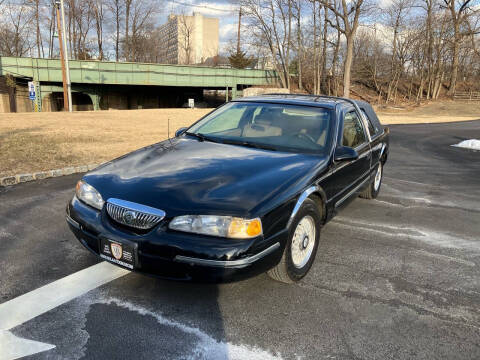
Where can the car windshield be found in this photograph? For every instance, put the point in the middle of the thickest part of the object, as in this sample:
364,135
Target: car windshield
266,125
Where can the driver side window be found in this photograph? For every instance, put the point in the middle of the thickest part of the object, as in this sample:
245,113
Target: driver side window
353,133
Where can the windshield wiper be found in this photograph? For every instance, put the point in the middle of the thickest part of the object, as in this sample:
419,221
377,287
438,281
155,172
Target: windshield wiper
249,144
201,136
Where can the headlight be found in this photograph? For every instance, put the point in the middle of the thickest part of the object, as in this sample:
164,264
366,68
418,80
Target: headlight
222,226
89,195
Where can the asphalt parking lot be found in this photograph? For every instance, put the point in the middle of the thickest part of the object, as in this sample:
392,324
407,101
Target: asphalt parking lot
395,278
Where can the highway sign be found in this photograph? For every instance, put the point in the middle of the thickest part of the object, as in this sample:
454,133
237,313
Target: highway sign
31,90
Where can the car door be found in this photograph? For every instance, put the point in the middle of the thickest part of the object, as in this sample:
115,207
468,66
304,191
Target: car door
349,177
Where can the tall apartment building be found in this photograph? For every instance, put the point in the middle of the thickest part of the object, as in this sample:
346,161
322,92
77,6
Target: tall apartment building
188,39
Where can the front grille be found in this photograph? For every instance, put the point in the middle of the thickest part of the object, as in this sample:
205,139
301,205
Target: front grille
133,215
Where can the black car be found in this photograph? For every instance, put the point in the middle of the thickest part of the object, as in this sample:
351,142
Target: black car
244,190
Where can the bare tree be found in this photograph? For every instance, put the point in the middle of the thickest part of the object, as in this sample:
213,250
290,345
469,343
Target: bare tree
417,50
14,39
272,20
79,24
38,33
186,27
349,14
396,16
126,46
51,29
98,9
116,9
138,17
297,5
459,12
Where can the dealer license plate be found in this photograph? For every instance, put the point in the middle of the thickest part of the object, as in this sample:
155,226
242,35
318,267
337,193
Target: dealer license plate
118,252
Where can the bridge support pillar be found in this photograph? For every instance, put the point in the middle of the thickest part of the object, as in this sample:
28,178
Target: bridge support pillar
95,100
234,91
46,101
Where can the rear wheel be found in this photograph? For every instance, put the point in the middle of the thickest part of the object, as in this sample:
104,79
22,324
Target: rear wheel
374,188
302,244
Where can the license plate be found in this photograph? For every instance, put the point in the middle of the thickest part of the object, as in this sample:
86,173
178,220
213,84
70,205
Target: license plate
120,253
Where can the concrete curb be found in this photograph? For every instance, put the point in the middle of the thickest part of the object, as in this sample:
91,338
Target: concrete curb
21,178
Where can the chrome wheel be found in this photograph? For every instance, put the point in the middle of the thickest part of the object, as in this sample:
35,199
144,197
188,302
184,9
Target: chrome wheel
378,178
303,242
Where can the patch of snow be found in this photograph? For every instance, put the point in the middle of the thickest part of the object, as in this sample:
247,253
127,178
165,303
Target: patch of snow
431,237
5,234
207,347
472,144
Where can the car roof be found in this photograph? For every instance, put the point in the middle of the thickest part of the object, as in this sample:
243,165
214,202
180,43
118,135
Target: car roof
298,99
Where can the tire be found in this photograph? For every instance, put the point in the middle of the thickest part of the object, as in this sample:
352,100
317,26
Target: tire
372,191
296,263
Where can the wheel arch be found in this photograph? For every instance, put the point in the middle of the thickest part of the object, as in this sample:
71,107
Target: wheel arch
384,153
317,194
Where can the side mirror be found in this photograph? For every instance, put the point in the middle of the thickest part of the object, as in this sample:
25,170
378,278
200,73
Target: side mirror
345,153
180,131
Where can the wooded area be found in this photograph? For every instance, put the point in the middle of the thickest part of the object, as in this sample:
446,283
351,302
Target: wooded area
401,50
390,51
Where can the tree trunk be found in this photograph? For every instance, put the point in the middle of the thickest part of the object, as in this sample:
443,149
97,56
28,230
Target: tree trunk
299,52
324,50
117,18
319,60
37,21
456,48
289,42
348,66
333,77
314,12
127,20
239,27
51,30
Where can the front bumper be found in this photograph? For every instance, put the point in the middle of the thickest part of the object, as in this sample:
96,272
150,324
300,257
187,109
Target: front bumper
174,255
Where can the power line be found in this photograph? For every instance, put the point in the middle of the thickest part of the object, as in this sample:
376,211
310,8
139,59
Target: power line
29,4
200,6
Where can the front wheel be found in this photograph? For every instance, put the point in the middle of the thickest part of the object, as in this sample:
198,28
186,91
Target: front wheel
302,244
374,188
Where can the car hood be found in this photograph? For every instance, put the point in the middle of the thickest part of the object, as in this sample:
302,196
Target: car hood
188,176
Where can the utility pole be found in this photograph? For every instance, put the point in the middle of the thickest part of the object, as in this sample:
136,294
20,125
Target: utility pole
60,45
64,55
67,68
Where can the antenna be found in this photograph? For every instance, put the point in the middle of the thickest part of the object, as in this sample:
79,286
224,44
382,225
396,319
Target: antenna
168,130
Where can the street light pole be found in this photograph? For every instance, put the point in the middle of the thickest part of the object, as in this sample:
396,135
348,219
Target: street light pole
65,48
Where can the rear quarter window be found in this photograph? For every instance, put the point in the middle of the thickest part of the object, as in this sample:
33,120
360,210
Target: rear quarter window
371,128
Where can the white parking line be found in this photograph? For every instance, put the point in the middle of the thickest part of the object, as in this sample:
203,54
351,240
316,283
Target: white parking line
37,302
13,347
28,306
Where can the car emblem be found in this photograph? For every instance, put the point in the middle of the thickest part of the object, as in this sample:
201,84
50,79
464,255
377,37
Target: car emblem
117,251
129,217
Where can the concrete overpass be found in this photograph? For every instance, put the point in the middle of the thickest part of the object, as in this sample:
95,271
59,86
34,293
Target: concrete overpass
98,79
